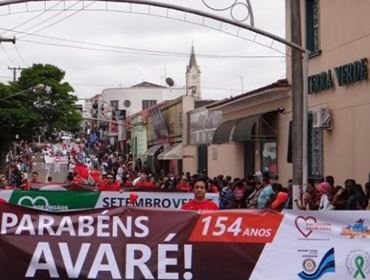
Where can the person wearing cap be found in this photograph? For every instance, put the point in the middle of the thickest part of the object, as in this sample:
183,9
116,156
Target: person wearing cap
200,202
324,188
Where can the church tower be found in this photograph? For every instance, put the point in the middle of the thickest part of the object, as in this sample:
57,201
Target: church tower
193,77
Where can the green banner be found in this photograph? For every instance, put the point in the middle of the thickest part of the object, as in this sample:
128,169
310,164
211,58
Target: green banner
55,200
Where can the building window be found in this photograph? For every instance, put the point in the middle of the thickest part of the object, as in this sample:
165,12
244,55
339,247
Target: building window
148,103
114,104
312,26
314,150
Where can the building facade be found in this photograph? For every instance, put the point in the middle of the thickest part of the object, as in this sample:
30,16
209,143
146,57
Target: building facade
255,131
337,34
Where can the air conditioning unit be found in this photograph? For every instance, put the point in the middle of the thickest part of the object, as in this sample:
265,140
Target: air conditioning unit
321,118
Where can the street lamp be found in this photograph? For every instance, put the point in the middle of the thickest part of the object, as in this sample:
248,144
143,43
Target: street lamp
37,88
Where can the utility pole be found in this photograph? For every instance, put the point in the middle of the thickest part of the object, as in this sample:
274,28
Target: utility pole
14,69
297,99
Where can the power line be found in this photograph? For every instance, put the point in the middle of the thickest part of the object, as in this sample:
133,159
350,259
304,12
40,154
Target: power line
32,18
128,48
169,54
58,21
7,55
20,56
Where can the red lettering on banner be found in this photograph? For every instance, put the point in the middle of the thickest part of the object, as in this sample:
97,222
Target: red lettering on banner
225,226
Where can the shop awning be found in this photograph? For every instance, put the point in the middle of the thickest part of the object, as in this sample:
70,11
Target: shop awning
223,132
173,152
152,150
243,128
244,132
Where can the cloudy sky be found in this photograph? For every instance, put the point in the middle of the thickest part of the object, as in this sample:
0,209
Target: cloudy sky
111,45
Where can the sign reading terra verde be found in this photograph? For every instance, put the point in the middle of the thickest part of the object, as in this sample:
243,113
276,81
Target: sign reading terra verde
346,74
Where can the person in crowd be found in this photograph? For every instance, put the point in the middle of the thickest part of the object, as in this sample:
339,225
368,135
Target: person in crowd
266,192
325,190
69,178
239,194
144,182
57,160
200,202
330,180
3,182
95,174
35,177
367,192
356,196
310,199
82,170
126,182
26,185
252,200
212,187
109,185
226,194
49,179
183,185
340,197
278,202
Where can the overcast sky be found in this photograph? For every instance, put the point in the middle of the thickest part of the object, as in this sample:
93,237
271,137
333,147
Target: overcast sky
56,37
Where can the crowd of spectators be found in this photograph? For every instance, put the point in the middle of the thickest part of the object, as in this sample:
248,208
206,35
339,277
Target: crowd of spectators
115,172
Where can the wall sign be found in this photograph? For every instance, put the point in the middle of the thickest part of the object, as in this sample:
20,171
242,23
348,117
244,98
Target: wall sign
345,74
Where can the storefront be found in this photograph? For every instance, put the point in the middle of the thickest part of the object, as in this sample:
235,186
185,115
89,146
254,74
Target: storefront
248,138
339,88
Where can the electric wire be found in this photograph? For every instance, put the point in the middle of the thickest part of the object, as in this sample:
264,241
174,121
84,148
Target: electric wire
32,18
132,49
7,55
58,21
20,56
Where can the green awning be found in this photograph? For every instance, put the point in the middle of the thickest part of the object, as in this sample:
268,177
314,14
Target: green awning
244,128
223,132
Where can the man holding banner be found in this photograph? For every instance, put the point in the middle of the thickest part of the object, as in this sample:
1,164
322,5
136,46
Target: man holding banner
200,202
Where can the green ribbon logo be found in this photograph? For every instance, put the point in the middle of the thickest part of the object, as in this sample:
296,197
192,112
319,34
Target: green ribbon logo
359,262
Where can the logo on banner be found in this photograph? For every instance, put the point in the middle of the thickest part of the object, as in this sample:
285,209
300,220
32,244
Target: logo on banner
39,202
358,264
311,271
358,229
308,225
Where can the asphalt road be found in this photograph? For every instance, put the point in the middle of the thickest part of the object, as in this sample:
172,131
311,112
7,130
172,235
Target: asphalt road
46,170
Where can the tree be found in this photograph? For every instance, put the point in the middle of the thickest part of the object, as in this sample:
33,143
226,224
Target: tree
27,109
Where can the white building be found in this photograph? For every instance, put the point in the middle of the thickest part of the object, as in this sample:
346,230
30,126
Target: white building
139,97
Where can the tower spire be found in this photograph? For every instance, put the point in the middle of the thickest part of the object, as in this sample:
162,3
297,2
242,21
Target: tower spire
193,60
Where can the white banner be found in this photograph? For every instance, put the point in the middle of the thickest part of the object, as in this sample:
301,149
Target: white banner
149,199
318,245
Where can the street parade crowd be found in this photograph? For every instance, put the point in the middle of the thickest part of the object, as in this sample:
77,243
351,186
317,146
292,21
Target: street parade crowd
97,169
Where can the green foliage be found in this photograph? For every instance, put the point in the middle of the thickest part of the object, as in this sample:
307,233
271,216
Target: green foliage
31,109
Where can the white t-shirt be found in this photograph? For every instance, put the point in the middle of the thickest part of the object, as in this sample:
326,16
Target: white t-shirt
324,202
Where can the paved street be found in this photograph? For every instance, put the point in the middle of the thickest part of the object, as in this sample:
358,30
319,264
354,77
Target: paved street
46,170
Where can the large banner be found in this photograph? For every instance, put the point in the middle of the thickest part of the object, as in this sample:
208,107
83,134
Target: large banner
139,243
202,126
72,200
